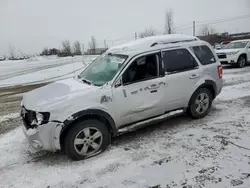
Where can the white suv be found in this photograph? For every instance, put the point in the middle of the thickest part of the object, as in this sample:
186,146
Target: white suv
132,84
235,53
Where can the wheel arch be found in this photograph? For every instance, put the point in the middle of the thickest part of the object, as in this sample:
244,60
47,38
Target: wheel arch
208,84
244,55
88,114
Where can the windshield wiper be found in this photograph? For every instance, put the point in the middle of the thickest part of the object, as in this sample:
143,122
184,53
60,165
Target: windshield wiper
86,81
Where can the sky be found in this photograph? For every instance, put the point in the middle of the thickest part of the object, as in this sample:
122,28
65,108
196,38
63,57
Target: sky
30,25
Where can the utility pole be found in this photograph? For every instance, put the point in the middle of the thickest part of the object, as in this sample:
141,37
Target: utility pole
135,35
193,28
105,44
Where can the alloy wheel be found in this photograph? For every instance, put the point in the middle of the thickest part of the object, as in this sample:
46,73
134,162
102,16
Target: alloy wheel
202,103
88,141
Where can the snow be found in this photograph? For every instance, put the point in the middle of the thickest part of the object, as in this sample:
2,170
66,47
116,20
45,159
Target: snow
9,116
41,70
148,41
46,75
209,152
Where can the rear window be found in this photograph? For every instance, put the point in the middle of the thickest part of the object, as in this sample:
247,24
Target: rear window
204,54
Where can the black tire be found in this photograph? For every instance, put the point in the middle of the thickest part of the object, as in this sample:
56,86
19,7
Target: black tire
241,61
192,109
77,129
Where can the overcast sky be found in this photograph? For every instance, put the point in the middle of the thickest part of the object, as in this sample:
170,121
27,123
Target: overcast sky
31,25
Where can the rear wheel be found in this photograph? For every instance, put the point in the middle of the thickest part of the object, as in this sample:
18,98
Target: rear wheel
200,103
86,139
241,61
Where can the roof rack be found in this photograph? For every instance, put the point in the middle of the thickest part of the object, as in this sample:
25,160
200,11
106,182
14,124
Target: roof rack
153,41
172,42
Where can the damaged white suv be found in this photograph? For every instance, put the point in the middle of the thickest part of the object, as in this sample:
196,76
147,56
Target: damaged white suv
133,84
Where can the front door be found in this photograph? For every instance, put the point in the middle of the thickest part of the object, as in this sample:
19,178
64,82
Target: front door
141,94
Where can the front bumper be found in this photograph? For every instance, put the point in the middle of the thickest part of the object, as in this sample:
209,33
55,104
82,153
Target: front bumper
230,59
44,137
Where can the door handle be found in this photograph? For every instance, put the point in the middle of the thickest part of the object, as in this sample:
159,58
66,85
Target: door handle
193,76
153,86
153,91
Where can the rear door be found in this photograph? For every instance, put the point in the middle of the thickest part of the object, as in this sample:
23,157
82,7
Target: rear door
182,77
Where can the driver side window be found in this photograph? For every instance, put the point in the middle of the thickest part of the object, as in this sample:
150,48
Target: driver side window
143,68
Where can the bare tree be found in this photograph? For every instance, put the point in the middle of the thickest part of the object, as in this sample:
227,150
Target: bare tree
66,48
45,51
169,22
204,31
147,32
12,51
92,45
82,48
207,30
77,48
212,30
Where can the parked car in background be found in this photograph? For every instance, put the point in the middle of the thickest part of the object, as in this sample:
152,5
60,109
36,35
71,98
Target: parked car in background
224,43
134,84
217,46
235,53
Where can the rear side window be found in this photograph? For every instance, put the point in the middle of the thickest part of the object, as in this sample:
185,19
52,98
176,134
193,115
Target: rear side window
204,54
178,60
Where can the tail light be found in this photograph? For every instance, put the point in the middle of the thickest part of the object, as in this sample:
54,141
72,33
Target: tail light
220,71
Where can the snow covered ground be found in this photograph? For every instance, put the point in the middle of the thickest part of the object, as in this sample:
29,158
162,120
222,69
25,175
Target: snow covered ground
179,152
41,69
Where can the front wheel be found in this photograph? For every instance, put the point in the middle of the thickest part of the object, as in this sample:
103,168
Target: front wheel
200,103
241,61
86,139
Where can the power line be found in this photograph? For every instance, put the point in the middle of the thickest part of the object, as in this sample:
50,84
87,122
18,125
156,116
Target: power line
216,21
236,17
223,21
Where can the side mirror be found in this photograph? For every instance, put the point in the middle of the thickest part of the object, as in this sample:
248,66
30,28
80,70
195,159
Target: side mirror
118,82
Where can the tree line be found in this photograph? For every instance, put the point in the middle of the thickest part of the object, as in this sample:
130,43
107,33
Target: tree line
67,49
78,49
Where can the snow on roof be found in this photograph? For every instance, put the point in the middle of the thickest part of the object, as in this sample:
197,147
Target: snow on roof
151,41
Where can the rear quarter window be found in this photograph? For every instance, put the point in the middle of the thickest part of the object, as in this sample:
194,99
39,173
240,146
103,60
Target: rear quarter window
203,54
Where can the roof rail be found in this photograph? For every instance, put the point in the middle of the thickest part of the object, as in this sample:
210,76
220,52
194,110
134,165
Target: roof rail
172,42
153,41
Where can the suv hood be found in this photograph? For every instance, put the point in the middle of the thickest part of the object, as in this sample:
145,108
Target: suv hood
44,98
227,50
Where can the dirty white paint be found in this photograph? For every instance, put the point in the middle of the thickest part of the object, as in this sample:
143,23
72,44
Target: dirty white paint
31,132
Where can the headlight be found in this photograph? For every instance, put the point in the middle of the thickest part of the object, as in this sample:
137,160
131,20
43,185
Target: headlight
232,53
39,118
42,117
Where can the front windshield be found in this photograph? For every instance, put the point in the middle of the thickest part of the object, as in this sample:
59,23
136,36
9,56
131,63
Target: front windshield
103,69
235,45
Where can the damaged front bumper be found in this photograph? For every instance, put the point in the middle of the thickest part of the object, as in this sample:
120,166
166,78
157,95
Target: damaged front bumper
45,136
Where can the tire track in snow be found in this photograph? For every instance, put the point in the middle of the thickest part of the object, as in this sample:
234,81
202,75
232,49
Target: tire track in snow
133,155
